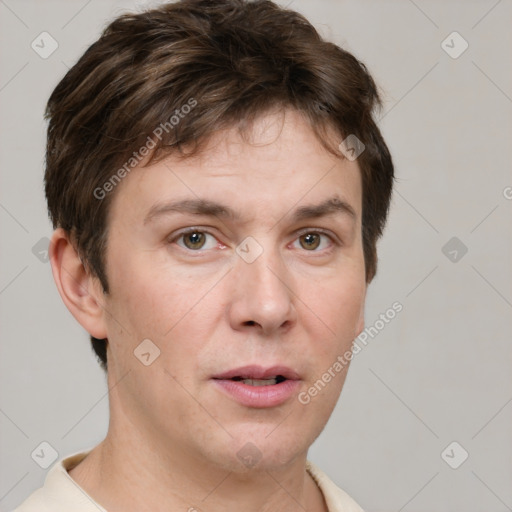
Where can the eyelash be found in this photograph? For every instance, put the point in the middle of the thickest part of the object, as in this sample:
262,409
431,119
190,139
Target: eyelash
300,233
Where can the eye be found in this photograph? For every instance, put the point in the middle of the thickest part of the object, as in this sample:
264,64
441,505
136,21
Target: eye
312,240
195,239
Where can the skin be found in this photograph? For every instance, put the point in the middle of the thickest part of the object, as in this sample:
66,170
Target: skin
173,437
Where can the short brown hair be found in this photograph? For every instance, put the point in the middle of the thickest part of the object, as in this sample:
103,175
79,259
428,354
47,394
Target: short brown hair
231,60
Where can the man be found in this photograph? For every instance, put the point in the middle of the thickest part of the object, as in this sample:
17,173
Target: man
217,186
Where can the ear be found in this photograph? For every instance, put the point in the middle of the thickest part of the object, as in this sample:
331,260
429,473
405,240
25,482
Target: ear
81,293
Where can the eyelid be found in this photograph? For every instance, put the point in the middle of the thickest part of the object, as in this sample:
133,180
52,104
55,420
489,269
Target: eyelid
191,229
321,231
297,234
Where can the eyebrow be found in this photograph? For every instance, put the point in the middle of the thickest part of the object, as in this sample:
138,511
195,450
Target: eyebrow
206,207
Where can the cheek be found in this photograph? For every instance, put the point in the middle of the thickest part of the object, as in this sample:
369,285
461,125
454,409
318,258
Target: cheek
335,306
333,323
170,307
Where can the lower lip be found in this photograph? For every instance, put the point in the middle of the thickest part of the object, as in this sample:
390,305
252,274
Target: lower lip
258,396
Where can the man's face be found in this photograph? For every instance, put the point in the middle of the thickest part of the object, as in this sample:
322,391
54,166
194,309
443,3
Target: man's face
292,295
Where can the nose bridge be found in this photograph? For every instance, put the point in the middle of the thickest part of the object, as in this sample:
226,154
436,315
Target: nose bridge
270,276
263,294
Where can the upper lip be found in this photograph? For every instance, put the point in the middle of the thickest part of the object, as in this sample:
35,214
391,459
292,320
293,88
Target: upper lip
259,372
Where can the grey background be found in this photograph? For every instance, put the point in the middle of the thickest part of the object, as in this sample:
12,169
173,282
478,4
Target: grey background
439,372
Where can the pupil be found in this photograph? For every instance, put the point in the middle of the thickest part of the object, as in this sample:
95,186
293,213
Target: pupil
312,240
196,240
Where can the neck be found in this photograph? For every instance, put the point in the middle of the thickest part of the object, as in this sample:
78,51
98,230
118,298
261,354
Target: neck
126,473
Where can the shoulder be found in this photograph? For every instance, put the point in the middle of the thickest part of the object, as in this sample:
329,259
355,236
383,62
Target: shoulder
60,493
337,499
35,502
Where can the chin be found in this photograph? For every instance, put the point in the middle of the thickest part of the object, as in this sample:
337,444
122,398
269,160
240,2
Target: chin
254,450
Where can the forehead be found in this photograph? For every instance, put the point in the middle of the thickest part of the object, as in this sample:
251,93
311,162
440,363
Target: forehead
276,164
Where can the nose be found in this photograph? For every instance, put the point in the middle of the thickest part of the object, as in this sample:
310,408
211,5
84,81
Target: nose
262,298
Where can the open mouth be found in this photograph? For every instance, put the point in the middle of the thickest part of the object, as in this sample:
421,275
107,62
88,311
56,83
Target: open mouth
259,387
271,381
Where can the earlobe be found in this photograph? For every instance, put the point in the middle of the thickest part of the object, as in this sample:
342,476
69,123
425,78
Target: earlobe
80,292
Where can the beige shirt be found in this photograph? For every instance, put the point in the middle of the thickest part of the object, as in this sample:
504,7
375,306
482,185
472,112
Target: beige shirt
60,493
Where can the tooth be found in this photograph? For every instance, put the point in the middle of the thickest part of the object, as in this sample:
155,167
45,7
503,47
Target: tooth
260,382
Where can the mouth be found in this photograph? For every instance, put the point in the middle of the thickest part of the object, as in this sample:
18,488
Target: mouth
258,375
255,386
272,381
